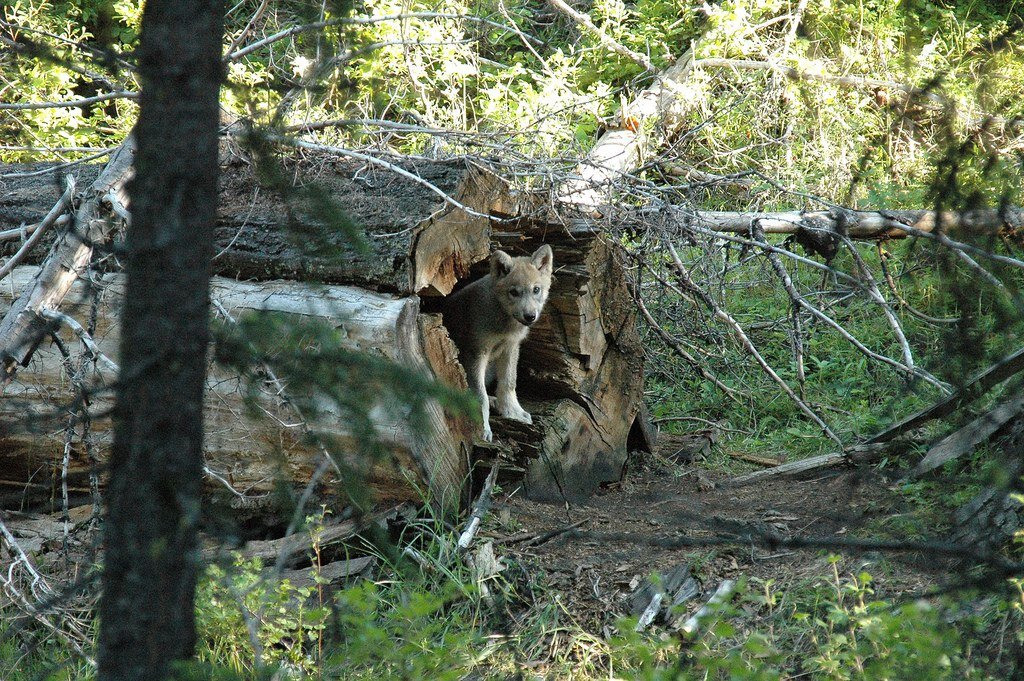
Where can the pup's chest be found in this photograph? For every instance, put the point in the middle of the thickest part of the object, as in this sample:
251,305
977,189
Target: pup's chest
500,343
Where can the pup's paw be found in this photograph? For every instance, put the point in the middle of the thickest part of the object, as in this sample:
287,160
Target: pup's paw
517,413
488,435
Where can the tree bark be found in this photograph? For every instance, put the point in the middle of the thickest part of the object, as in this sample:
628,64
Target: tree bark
252,452
152,559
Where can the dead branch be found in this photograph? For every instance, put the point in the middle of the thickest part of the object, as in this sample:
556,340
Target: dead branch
23,326
615,46
862,224
40,229
723,316
681,351
280,551
75,636
86,101
29,230
537,538
83,335
802,302
975,387
857,455
483,503
964,440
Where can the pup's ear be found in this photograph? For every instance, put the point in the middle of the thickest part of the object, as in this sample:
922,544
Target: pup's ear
501,264
543,259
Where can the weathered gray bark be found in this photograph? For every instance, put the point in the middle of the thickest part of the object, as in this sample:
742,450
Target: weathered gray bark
23,326
237,443
151,564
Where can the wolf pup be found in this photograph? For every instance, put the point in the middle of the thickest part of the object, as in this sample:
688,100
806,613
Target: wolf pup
489,319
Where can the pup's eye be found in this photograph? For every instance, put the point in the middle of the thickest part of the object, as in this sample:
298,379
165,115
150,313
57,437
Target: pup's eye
514,292
536,289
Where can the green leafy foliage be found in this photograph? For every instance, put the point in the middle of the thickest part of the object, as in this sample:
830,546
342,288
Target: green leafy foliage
927,121
237,609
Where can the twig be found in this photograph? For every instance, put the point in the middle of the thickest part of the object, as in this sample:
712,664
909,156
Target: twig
33,106
883,261
681,351
537,538
483,503
362,21
62,166
606,40
83,335
44,224
726,318
257,15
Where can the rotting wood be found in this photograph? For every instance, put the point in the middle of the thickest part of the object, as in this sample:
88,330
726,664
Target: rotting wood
329,575
722,594
856,455
582,368
964,440
245,452
668,590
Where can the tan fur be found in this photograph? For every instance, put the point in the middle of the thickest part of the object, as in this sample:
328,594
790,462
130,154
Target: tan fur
489,319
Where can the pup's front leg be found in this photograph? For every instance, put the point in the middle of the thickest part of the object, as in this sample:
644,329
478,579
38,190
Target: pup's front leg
505,365
479,377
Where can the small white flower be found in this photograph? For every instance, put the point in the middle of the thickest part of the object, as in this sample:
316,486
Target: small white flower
301,66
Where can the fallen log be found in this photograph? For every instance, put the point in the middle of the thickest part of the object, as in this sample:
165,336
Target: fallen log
975,387
328,576
857,455
581,371
245,452
862,224
964,440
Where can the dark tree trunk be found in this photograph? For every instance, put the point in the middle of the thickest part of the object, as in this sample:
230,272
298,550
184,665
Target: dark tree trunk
152,552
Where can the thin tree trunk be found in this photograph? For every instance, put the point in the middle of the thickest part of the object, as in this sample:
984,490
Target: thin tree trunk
156,467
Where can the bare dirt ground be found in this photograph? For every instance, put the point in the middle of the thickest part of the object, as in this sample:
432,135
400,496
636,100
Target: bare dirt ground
661,516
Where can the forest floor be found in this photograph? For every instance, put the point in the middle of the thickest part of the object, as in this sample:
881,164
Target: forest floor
663,515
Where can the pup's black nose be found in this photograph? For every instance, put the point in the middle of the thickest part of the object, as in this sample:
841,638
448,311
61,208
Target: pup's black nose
529,317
